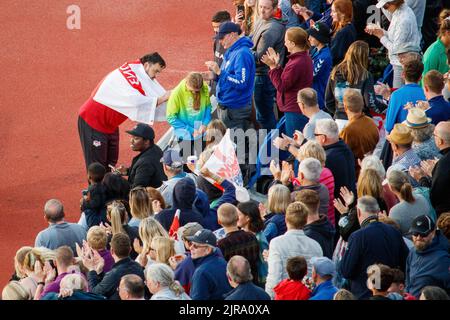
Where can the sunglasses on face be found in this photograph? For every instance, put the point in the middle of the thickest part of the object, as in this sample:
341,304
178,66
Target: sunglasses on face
422,235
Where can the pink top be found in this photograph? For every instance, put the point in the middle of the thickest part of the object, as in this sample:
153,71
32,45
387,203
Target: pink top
327,179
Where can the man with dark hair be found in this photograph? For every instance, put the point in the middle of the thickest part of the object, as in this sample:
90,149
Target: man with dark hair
293,287
130,91
411,92
146,169
268,33
317,226
428,262
239,276
107,286
59,233
93,202
433,84
131,287
217,19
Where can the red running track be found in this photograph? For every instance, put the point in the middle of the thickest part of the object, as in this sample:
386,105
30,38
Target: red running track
49,71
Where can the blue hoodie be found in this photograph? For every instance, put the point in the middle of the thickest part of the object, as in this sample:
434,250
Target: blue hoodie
237,75
429,267
184,194
209,281
322,66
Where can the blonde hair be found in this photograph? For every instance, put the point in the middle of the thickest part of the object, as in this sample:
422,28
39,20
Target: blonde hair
164,248
118,216
19,260
195,81
148,229
251,14
297,215
140,204
227,215
97,238
14,290
38,254
370,184
279,198
354,66
312,149
74,281
343,294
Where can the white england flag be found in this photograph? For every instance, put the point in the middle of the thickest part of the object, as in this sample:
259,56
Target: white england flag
130,91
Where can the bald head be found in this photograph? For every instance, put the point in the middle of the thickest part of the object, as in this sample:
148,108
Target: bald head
133,285
238,270
442,135
54,211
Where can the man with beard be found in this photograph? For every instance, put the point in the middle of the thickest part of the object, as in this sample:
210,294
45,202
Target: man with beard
429,261
146,169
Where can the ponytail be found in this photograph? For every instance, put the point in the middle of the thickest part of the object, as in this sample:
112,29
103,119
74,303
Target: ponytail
195,81
406,193
118,219
176,287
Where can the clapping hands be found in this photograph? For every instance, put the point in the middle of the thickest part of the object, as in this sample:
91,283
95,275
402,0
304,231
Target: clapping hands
271,58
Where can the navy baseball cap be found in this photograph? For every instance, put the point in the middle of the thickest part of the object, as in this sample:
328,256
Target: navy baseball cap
226,28
203,236
422,225
142,130
171,158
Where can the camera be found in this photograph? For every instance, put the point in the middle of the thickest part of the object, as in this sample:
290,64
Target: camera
240,8
84,192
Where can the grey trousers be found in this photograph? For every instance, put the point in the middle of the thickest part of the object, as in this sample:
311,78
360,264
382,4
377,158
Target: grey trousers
236,118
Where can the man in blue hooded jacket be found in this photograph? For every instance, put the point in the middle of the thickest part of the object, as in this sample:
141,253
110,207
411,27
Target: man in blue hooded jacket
236,77
209,281
428,262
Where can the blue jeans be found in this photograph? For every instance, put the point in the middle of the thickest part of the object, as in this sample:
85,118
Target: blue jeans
294,121
264,98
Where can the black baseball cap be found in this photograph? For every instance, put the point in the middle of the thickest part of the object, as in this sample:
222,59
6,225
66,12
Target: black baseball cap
422,225
321,32
226,28
142,130
204,236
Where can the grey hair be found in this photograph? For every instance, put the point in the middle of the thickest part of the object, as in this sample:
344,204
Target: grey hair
368,204
422,134
164,275
311,169
54,210
328,127
239,270
74,281
374,163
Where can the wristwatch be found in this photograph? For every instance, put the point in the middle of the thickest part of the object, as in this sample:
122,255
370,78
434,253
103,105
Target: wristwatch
41,282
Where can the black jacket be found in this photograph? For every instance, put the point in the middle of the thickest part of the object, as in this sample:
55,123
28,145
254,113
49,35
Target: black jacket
440,184
146,169
341,162
323,232
108,285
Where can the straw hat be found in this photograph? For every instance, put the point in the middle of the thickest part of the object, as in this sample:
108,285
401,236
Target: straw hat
417,118
400,135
